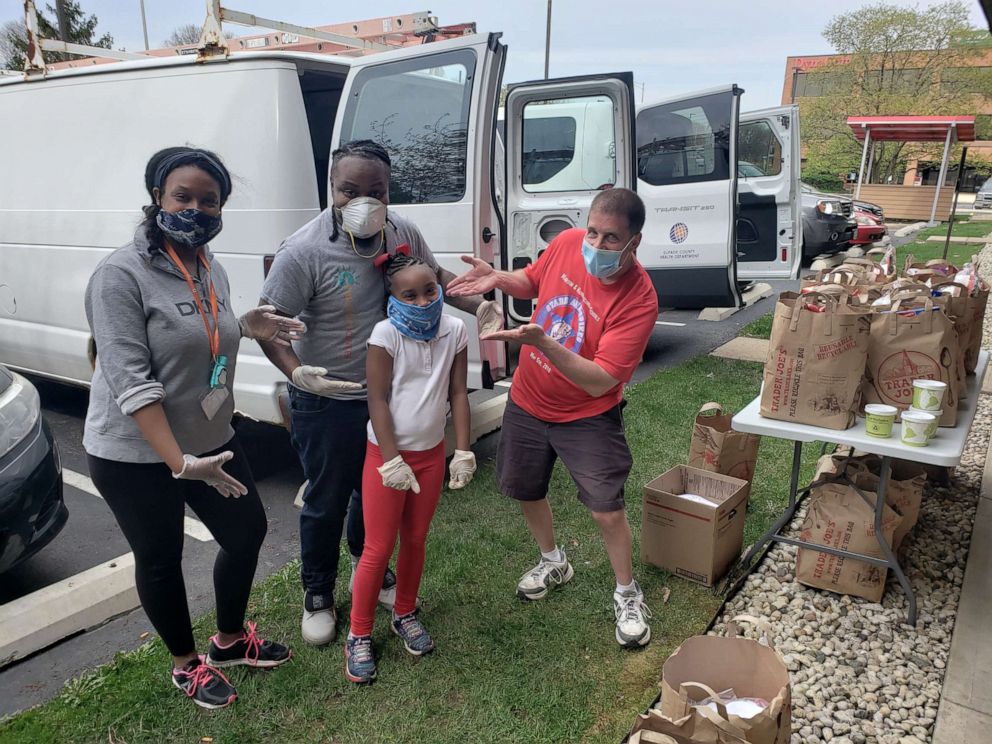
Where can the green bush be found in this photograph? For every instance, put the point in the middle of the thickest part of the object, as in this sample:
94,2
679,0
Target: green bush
824,180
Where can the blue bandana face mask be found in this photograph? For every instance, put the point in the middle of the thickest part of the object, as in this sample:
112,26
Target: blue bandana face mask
189,227
419,323
601,263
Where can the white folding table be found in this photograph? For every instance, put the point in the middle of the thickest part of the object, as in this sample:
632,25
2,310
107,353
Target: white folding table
944,449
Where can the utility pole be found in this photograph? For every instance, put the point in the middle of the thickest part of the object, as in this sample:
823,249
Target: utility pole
63,24
547,43
144,24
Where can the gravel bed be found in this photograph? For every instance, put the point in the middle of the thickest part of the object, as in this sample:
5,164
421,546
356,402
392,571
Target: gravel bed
859,673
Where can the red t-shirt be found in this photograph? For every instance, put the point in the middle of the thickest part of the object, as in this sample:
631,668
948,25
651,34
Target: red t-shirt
607,323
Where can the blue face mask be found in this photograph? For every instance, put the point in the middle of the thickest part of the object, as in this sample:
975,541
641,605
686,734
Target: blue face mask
419,323
601,263
189,227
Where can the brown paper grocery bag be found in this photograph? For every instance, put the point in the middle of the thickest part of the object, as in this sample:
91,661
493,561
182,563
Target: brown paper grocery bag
750,668
915,339
717,448
904,492
973,344
839,518
816,361
653,728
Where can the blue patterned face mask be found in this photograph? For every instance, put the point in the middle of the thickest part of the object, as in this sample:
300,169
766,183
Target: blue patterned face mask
419,323
189,227
600,262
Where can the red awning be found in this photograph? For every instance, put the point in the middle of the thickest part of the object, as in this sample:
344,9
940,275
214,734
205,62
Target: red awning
913,128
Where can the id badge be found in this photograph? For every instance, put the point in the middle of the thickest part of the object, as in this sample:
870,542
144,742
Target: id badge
212,401
218,374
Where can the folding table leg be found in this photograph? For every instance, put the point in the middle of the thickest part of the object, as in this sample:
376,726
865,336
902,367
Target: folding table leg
893,562
797,457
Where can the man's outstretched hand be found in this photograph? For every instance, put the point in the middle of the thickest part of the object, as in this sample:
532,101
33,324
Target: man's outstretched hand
481,278
529,333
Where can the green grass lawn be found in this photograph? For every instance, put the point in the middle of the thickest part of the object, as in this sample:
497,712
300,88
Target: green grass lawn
760,328
957,253
503,671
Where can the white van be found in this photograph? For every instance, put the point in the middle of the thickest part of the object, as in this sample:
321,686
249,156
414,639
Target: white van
696,251
71,184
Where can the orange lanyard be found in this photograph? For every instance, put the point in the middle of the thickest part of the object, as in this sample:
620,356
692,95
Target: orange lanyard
213,337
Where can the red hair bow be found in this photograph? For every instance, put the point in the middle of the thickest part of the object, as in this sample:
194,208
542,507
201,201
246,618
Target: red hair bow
380,261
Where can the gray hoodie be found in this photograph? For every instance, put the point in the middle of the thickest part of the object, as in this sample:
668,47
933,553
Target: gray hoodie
152,347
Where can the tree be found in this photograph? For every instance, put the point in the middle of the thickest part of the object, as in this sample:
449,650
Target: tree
183,36
897,60
80,29
11,58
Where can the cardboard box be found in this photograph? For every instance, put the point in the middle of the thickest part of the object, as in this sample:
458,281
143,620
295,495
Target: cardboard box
694,539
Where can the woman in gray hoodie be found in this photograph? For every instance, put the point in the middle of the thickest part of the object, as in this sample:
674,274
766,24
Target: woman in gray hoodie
158,432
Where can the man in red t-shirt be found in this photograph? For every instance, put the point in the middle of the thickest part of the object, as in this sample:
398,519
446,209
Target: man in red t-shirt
596,308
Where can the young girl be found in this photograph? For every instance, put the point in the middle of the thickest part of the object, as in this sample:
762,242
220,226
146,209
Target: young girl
417,362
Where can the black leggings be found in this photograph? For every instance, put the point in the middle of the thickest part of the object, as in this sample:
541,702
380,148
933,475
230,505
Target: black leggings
149,505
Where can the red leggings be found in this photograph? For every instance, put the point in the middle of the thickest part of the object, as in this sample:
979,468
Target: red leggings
390,513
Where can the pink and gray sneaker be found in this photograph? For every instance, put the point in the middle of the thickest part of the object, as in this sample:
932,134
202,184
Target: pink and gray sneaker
204,685
249,650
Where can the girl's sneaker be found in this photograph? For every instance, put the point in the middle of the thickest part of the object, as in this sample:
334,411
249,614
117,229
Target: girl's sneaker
413,634
206,686
249,650
359,659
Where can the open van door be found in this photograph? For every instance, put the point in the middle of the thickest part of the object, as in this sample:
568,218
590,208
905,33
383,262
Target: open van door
769,221
433,107
566,139
687,177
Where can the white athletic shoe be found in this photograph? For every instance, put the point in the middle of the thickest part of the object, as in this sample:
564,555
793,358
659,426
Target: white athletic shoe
387,594
320,620
545,576
633,630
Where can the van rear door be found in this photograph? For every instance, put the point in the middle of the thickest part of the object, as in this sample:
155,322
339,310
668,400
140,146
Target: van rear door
769,222
566,139
433,107
686,158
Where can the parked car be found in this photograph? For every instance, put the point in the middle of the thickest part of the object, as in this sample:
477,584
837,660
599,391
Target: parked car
983,199
32,510
828,222
871,223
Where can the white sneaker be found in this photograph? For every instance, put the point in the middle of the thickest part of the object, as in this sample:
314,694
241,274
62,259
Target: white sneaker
633,630
545,576
320,621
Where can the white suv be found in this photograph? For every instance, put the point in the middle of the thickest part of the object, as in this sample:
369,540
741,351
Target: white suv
983,199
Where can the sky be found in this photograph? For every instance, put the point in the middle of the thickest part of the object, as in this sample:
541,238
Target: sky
671,47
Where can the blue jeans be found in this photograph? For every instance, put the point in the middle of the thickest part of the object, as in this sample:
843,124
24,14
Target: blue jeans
330,437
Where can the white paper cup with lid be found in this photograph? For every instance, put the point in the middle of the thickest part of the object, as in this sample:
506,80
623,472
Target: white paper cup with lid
928,395
932,428
915,425
879,419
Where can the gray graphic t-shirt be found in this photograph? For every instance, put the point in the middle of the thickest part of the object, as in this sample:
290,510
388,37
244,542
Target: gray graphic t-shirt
338,293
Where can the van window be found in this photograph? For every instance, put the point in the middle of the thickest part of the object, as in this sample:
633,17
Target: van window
568,145
758,147
687,141
549,146
321,92
418,110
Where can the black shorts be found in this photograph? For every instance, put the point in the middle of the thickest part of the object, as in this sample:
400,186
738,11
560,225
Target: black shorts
594,451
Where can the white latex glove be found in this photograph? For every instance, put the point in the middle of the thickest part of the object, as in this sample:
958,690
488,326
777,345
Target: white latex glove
263,324
314,380
210,471
397,474
490,316
461,469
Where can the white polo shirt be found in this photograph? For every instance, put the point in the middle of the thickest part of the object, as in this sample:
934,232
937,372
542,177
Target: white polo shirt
418,398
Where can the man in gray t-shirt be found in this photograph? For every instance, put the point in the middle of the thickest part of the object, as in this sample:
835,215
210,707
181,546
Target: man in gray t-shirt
325,274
